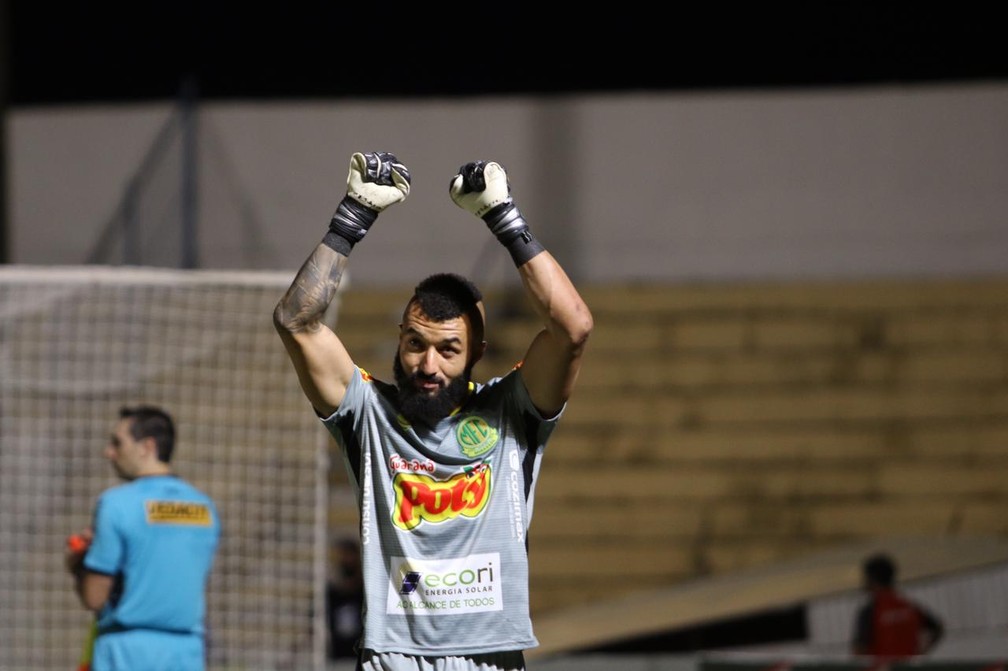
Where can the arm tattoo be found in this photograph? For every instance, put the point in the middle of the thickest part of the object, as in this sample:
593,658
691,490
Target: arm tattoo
313,289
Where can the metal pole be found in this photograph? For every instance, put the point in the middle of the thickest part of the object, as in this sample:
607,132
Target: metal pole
189,196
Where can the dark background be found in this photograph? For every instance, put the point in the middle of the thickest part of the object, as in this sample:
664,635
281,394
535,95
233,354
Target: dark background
68,52
62,52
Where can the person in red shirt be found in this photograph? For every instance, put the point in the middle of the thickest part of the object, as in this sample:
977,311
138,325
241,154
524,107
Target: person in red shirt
891,626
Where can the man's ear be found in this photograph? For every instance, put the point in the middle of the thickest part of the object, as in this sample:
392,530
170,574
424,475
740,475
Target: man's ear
478,352
149,445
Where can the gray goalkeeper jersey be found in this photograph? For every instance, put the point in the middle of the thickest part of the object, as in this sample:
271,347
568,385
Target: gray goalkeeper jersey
444,516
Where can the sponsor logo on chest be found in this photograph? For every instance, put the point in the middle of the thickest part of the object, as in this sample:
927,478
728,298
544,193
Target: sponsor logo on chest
469,584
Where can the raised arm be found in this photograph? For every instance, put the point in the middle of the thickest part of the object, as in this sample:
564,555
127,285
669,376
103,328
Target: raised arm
553,360
323,365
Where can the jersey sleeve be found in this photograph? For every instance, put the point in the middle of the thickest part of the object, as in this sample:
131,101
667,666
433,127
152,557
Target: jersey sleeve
543,426
106,551
525,401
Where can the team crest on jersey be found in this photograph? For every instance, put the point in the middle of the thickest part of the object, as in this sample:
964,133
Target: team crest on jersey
421,498
475,436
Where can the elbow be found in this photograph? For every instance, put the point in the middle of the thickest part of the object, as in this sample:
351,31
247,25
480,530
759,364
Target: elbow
92,603
277,323
281,322
94,591
581,331
288,320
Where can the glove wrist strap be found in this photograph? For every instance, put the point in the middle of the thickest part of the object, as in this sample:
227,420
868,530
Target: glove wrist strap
349,223
507,223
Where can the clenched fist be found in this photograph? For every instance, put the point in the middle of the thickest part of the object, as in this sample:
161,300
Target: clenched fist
375,181
482,187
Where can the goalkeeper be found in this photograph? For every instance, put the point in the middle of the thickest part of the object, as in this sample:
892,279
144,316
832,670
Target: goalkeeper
444,468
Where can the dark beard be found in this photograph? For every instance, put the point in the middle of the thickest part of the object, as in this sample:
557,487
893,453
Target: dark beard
417,407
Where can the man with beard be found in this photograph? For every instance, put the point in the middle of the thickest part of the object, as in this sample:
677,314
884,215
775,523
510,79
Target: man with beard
444,468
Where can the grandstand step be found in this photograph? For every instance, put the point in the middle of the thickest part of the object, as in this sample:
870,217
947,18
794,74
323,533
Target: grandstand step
776,483
740,370
965,442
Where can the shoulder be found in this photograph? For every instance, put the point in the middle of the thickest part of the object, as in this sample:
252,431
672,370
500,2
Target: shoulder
195,491
363,383
497,384
510,389
119,503
119,492
383,388
490,393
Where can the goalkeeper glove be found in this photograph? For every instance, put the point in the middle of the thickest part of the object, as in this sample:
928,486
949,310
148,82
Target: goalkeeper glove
375,181
482,188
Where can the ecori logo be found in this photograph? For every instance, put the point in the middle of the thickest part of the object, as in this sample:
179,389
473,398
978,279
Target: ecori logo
409,582
467,577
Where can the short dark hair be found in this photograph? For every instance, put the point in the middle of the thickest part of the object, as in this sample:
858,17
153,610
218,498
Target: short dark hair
148,421
445,296
880,569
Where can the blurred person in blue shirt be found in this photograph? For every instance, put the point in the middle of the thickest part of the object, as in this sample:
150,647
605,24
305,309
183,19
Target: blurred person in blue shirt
143,564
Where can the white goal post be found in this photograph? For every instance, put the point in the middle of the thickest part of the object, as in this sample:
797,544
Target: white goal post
76,343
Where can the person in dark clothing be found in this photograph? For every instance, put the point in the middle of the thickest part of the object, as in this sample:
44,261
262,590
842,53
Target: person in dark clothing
344,599
891,626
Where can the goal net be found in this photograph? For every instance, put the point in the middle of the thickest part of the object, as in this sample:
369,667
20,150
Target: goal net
78,343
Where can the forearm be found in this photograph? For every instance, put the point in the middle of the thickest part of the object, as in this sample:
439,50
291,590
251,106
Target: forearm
76,571
92,590
375,181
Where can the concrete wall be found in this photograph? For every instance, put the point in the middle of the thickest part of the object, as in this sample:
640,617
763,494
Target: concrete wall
899,181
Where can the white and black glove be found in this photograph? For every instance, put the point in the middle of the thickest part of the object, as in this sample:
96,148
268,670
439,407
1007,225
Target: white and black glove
375,181
482,187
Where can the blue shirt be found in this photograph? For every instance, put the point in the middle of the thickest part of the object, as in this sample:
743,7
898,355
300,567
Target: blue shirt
157,535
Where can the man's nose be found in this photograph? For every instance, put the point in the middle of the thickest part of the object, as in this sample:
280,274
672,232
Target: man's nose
429,364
